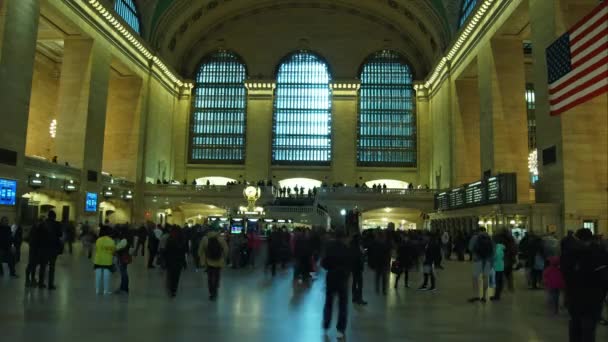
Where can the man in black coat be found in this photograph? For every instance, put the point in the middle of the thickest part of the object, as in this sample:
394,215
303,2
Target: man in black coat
338,263
584,264
52,247
7,247
358,261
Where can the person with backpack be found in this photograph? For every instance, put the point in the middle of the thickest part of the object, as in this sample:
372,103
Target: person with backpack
213,252
482,252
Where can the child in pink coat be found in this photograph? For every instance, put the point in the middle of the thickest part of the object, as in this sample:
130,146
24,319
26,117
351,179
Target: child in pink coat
554,283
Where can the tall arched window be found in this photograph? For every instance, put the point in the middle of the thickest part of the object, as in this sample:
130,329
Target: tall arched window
465,11
128,11
217,128
302,111
387,122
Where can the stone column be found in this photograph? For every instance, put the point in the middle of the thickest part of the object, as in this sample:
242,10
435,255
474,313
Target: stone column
258,154
423,131
466,131
181,133
344,133
503,118
95,92
18,33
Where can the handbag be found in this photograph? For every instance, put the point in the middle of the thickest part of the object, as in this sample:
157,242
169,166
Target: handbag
396,267
126,259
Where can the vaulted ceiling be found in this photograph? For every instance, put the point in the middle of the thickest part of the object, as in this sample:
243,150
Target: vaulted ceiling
183,31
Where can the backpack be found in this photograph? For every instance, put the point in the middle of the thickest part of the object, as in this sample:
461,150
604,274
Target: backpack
483,248
214,249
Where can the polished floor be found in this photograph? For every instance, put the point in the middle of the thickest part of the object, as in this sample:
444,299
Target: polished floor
254,307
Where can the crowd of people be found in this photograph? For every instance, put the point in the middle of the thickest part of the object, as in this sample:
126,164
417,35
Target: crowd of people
575,269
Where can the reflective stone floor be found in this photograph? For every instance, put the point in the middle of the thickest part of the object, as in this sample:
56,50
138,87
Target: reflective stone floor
254,307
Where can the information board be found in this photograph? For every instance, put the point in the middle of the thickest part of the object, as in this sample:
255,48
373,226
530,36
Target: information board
8,192
91,202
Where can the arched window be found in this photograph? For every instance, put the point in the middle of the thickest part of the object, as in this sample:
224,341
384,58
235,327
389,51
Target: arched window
128,11
217,128
387,123
465,11
302,111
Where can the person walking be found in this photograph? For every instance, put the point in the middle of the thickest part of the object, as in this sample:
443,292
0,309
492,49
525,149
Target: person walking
17,231
499,268
379,260
337,261
123,252
36,258
105,247
213,252
405,260
69,236
432,252
153,243
482,249
7,248
554,283
142,236
584,266
175,259
52,248
446,245
358,263
253,244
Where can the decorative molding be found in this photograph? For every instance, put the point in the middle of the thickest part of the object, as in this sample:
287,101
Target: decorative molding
471,33
131,39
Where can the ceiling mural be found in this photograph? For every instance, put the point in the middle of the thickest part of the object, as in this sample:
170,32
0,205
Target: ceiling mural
176,28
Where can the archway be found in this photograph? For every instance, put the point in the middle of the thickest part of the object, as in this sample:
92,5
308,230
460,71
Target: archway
390,183
217,180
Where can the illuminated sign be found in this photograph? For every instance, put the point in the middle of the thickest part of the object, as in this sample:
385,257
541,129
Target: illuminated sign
91,202
8,191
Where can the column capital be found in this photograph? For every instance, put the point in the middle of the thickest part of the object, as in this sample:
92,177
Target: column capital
422,92
260,88
345,88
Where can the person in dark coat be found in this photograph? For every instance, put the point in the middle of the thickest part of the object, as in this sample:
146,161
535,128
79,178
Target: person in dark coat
406,255
142,236
379,260
584,265
37,238
358,261
52,247
337,261
175,259
7,248
17,241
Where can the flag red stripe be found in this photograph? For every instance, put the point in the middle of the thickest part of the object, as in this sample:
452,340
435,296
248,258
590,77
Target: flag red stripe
580,88
602,20
588,16
587,57
580,73
581,100
590,42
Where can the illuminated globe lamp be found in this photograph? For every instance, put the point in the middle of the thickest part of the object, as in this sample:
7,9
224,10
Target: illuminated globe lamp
252,194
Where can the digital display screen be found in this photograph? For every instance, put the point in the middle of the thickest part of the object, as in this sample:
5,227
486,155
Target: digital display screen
91,202
8,191
236,229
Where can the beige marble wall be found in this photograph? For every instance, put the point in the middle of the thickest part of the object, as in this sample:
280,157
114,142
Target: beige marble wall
503,113
441,137
466,131
121,134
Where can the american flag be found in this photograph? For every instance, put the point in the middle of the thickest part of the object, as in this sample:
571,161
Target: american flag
577,62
